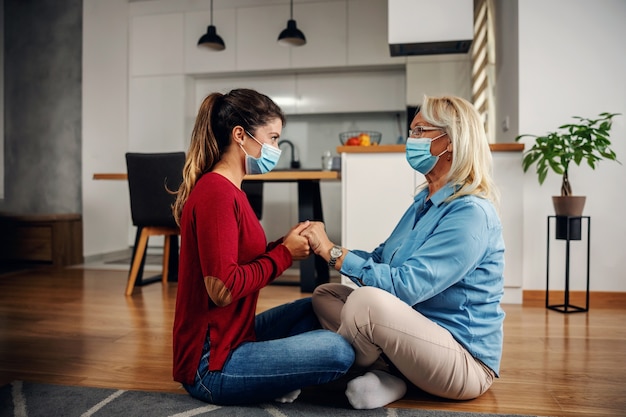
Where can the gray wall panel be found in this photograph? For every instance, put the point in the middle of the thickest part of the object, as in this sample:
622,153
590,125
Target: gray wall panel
42,104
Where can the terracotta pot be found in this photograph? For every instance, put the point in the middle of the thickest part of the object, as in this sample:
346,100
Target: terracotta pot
571,206
568,210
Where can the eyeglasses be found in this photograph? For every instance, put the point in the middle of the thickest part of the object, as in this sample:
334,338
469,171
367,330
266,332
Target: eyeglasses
418,131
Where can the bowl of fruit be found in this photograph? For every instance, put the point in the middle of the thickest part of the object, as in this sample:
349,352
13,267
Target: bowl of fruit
360,138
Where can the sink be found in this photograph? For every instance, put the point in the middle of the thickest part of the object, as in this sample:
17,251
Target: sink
294,163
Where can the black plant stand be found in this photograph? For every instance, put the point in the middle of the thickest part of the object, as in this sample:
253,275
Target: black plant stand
570,225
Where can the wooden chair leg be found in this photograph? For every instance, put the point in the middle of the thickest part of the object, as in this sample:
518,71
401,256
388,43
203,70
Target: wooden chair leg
139,252
166,257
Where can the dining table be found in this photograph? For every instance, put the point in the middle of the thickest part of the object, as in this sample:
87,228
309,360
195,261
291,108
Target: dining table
314,270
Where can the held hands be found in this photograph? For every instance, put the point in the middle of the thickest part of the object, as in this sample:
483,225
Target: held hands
297,244
307,236
316,235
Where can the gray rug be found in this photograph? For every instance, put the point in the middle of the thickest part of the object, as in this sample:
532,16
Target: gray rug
24,399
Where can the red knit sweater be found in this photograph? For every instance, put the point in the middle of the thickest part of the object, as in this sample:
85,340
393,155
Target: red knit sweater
220,237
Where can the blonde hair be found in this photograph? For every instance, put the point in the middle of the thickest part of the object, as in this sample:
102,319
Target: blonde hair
472,164
217,116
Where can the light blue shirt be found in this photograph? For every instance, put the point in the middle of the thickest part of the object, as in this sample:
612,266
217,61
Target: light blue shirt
446,259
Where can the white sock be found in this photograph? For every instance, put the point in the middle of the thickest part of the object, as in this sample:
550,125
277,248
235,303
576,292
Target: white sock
289,397
374,389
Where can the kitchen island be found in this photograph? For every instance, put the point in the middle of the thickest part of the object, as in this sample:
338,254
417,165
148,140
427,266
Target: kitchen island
378,186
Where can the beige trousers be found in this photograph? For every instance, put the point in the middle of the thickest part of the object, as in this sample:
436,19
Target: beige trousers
375,322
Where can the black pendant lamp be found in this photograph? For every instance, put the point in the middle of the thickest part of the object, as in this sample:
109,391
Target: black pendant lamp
211,40
291,36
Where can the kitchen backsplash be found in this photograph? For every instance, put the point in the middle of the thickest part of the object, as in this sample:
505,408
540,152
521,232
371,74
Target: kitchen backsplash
314,134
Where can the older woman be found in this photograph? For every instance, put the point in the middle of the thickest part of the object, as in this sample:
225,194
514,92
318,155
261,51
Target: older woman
428,298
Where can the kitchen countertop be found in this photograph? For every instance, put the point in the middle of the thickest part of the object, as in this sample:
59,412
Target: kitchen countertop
294,175
495,147
279,175
303,174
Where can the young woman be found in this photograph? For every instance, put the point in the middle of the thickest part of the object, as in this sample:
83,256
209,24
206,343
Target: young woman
223,353
429,296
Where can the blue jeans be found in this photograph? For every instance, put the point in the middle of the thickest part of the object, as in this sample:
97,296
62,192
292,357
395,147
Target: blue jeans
291,352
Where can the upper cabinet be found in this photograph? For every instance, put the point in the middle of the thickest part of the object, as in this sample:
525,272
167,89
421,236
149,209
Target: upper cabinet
344,67
361,91
317,92
324,26
339,33
256,43
281,88
367,34
156,44
156,109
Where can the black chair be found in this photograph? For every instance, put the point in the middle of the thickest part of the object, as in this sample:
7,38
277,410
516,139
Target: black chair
150,176
254,192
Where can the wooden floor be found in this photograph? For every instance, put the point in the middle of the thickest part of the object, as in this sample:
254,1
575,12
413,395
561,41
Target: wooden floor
76,327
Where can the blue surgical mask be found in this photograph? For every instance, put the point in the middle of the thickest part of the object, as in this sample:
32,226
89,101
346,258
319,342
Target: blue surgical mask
264,163
418,154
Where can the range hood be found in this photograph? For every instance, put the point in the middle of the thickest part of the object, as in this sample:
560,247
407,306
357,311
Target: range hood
430,27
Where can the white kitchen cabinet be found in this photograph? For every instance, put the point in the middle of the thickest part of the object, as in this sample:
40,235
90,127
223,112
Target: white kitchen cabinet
351,92
367,34
377,188
311,93
157,114
280,88
324,26
508,175
156,44
200,60
257,34
340,34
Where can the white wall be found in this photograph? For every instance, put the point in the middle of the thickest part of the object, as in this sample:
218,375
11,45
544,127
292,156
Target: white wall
572,63
106,207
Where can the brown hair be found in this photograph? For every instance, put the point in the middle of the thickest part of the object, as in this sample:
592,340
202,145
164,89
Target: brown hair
218,115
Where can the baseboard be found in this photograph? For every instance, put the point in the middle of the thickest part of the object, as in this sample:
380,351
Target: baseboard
109,256
512,295
597,299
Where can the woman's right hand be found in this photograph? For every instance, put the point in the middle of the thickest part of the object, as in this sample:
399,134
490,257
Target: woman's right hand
318,239
297,245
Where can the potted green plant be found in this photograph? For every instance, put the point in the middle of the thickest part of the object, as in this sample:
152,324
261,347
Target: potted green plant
586,140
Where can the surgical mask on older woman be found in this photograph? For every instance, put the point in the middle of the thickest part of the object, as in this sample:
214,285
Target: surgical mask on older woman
264,163
418,154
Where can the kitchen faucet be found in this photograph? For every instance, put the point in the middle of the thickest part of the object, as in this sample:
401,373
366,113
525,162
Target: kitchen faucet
294,163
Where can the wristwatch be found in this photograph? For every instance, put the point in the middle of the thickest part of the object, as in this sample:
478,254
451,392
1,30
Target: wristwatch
335,252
